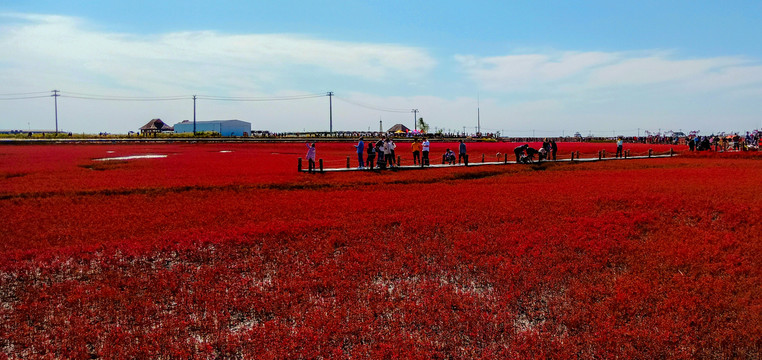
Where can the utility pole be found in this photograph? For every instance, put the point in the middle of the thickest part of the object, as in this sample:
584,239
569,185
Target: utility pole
415,119
55,101
330,111
380,125
194,115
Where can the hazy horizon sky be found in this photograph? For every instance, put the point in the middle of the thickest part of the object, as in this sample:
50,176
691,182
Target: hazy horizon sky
552,67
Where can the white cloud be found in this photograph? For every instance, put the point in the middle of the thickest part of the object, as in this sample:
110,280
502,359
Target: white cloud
68,51
588,71
517,72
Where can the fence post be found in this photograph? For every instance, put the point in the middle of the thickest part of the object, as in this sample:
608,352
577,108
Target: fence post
300,164
465,159
577,154
399,160
347,162
321,165
599,154
671,152
572,156
482,157
650,151
505,160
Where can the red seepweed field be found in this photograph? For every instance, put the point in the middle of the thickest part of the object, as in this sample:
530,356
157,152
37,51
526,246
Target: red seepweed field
226,251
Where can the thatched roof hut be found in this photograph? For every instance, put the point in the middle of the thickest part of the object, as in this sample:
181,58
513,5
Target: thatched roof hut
399,128
155,126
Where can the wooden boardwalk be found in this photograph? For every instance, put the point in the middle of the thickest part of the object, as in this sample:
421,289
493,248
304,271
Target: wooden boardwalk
486,163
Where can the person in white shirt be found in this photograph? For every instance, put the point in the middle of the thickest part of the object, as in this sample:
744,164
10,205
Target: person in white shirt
393,158
388,152
381,153
425,152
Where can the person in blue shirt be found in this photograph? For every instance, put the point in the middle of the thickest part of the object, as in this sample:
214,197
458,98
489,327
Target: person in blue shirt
462,152
360,152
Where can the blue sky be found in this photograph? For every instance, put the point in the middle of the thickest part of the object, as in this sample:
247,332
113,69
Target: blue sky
551,67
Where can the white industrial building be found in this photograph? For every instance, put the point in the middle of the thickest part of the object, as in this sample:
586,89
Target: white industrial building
223,127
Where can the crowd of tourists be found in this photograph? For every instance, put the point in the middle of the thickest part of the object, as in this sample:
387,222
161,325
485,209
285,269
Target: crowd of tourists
382,154
525,153
721,143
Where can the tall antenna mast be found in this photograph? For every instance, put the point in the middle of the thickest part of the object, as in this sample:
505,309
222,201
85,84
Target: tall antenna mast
478,119
55,99
330,111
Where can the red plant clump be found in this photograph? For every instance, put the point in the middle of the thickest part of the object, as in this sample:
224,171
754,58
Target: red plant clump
237,255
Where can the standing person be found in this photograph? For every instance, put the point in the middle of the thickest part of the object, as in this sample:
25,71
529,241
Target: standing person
371,155
360,151
388,153
546,146
619,143
519,150
462,152
391,145
416,151
311,157
425,152
381,153
553,148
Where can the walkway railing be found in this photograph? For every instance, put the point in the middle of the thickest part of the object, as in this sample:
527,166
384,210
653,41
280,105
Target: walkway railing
574,156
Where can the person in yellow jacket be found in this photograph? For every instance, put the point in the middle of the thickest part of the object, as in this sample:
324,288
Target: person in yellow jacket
417,147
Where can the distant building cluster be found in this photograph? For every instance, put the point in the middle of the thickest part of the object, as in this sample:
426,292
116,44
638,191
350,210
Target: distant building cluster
222,127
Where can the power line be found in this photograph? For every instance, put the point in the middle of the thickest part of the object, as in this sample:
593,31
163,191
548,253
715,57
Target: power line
125,98
26,97
274,98
27,93
86,96
373,107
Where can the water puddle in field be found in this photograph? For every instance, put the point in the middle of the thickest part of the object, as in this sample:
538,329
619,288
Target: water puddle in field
133,157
